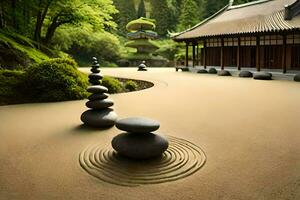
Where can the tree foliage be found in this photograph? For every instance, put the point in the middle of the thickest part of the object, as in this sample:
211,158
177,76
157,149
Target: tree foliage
161,13
126,14
39,19
141,9
189,16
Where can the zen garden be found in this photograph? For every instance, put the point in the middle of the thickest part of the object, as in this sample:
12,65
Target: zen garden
150,99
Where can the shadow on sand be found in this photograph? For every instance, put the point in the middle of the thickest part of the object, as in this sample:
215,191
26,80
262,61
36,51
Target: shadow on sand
84,129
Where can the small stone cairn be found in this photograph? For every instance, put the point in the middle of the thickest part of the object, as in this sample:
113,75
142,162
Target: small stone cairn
100,114
142,66
138,142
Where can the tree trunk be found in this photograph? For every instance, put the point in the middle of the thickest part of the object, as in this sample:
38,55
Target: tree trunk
1,15
51,29
14,15
40,20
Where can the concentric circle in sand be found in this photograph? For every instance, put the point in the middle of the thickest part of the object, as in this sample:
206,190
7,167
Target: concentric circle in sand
181,159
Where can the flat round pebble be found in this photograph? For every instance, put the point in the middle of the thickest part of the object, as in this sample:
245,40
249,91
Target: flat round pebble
94,70
202,71
94,82
245,74
139,146
224,73
100,104
99,118
262,76
97,89
297,78
137,125
95,76
212,71
98,96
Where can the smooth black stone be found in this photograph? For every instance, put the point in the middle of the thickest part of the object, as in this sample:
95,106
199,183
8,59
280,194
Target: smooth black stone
95,82
262,76
137,125
202,71
297,78
94,58
95,70
224,73
99,96
97,89
99,104
142,69
97,66
95,62
245,74
95,76
139,146
212,71
99,118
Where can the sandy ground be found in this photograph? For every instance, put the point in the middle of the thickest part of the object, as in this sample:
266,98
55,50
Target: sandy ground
249,130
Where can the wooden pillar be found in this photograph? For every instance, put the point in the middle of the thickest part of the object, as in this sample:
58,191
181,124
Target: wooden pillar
204,54
257,54
238,64
187,54
194,55
198,54
284,54
222,53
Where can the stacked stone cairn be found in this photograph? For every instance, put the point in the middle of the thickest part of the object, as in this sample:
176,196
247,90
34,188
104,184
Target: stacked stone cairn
139,141
100,114
142,66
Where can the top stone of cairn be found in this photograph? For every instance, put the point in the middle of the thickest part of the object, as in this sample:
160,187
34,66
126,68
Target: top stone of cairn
137,125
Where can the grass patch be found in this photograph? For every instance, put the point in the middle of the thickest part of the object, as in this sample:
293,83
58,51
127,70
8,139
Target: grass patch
10,85
25,46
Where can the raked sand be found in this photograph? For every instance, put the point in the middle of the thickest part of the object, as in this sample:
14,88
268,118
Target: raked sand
248,129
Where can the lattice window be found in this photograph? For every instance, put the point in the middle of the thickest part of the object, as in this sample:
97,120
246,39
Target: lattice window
271,40
214,42
230,41
248,41
293,39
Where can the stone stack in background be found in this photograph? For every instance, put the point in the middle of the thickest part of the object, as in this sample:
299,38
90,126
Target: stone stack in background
100,114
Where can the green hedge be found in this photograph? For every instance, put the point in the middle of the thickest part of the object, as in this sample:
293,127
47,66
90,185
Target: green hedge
131,85
10,85
113,85
55,80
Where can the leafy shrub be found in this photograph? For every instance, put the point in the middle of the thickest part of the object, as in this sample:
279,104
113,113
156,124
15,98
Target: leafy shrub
10,84
55,80
169,49
113,85
67,61
83,45
131,85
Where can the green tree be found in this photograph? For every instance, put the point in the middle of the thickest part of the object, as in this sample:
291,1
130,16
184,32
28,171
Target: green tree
161,14
126,14
43,17
141,9
96,13
212,6
189,15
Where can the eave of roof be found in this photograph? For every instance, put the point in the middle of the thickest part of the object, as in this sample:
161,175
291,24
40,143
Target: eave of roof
273,22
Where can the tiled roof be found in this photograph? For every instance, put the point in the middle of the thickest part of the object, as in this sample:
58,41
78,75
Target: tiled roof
258,16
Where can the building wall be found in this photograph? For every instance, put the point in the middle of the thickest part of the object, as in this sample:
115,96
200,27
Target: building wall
271,48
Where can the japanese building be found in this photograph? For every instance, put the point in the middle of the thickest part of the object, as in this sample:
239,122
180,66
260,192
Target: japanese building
263,34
